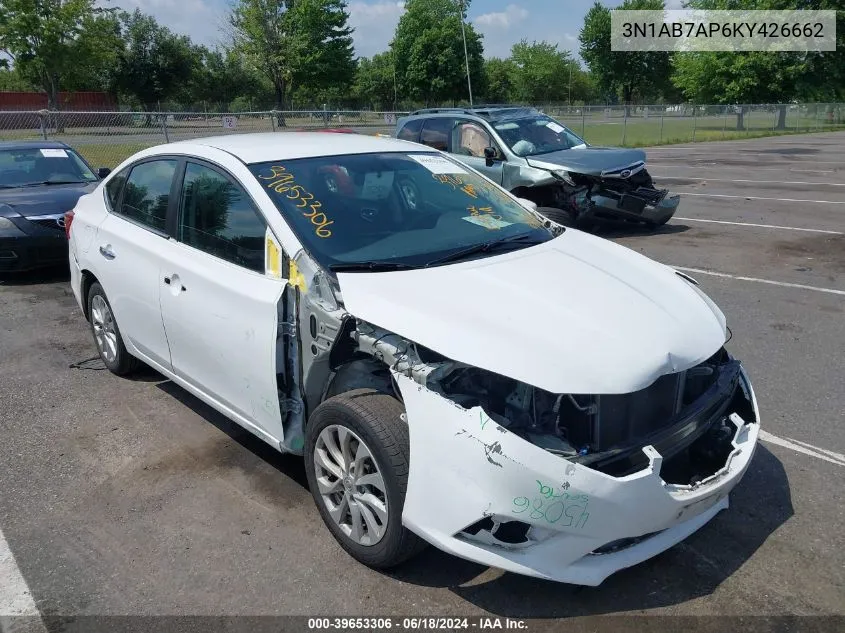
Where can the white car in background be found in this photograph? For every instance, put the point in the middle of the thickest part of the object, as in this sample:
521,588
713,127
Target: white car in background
455,369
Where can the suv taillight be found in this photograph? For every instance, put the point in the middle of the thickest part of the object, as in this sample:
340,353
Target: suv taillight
68,221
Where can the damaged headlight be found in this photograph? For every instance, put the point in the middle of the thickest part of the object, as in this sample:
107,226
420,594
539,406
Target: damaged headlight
564,175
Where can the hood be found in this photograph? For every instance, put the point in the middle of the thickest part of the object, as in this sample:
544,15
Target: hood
578,314
588,160
45,199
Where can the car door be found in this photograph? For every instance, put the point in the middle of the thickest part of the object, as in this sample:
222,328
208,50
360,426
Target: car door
128,244
468,140
218,306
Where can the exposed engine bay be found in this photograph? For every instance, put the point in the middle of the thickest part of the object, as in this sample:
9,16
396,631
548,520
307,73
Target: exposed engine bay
585,195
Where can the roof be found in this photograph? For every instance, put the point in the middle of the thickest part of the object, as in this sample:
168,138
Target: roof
266,146
490,112
12,145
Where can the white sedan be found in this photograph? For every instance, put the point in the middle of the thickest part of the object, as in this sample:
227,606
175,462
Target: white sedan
454,368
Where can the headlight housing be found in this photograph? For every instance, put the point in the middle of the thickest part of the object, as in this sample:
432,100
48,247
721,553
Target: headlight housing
7,225
564,175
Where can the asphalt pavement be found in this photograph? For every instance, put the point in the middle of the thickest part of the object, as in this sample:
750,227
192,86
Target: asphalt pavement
130,497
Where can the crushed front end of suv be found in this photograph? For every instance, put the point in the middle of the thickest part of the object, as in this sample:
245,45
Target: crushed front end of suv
455,369
537,158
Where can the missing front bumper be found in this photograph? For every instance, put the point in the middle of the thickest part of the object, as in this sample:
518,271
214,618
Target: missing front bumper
466,469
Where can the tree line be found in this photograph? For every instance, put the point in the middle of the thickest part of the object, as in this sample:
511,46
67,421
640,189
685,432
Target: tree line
287,54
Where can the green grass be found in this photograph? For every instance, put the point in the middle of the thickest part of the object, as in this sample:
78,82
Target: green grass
106,155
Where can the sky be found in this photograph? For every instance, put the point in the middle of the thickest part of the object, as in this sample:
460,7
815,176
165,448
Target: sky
502,22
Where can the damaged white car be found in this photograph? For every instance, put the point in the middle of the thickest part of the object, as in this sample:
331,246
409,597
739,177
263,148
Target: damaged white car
456,369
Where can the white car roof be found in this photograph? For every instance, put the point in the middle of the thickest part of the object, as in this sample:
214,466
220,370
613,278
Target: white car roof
267,146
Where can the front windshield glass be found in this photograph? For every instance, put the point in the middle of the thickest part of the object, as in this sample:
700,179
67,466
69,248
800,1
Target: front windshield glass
30,166
529,136
396,209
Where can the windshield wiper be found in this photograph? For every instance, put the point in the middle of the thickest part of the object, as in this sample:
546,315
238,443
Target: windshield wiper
369,267
56,182
486,247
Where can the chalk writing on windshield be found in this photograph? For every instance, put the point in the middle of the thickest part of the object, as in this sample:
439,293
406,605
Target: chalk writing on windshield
282,181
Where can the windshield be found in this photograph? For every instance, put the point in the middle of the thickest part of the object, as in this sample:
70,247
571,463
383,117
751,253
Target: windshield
32,166
534,135
403,209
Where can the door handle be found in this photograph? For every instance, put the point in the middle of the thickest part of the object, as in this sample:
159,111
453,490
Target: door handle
167,280
106,251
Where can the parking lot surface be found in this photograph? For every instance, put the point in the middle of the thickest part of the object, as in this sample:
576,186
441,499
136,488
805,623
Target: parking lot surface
130,497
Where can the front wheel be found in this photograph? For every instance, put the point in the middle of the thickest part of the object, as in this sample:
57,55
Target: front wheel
559,216
356,459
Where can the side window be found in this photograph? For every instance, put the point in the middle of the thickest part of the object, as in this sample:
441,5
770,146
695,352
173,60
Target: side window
411,131
470,138
147,193
114,188
435,133
216,216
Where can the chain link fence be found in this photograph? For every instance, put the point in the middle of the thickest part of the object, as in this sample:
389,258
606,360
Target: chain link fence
107,138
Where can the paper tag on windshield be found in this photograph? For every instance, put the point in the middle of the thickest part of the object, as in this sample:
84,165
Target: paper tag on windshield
554,127
438,164
377,185
54,153
487,221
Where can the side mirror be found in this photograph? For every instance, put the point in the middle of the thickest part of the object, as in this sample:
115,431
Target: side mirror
490,155
102,172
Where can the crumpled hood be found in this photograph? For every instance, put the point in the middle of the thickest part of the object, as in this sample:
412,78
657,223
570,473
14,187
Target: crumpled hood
44,200
577,314
588,160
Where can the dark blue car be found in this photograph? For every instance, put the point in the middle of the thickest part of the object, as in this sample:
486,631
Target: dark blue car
39,182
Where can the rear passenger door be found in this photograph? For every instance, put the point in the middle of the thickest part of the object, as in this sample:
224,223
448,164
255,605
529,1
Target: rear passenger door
218,307
126,254
468,140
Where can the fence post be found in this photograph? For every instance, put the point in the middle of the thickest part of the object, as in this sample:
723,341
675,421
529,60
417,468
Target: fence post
583,115
625,125
725,122
662,114
273,119
775,119
694,121
164,126
42,114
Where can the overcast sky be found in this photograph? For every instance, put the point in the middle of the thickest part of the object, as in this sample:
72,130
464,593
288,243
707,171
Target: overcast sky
502,22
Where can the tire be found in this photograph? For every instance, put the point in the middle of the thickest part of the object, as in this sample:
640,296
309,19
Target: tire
372,418
560,216
107,335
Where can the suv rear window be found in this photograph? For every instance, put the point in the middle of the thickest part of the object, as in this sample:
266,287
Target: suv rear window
435,133
411,131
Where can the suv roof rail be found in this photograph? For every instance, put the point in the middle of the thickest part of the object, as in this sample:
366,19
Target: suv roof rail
436,110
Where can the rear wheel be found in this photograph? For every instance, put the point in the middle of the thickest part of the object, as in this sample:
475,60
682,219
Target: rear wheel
107,335
356,457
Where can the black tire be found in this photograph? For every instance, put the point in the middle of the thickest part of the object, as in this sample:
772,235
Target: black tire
123,363
375,418
559,216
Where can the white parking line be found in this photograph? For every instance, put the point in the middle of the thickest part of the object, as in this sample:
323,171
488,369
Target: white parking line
760,281
722,195
757,182
15,598
763,226
803,447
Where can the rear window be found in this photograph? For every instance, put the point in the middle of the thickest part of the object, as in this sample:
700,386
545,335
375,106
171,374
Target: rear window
436,132
411,131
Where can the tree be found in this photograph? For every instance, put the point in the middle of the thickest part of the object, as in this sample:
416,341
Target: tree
57,42
428,45
759,76
220,76
631,73
295,42
375,81
544,74
154,63
499,77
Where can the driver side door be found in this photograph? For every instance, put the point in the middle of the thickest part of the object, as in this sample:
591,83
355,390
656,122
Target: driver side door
469,139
